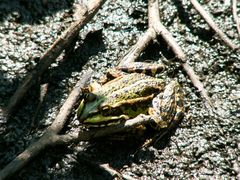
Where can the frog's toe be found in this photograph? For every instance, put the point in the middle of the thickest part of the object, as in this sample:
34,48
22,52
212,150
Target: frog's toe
160,124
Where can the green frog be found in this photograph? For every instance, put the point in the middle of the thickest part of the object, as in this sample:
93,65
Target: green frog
120,96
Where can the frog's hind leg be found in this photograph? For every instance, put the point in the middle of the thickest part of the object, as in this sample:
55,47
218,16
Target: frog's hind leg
139,67
142,67
167,107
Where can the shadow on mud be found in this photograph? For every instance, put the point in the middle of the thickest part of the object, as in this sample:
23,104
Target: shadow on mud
30,11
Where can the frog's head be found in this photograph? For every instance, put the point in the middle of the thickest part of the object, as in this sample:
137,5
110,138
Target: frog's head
89,106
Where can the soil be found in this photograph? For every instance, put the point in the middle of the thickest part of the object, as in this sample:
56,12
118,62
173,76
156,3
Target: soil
205,145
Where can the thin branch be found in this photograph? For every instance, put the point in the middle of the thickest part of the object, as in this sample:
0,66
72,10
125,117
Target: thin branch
114,173
197,83
235,16
139,47
22,159
105,131
67,108
211,23
155,22
54,51
155,27
50,137
158,26
42,95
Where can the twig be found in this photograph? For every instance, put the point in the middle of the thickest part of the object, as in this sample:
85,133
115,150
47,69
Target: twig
50,55
114,173
197,83
42,95
105,131
50,136
137,49
155,27
179,53
235,16
211,23
54,51
155,22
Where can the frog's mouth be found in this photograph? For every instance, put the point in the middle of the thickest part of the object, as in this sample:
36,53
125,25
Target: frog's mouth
100,120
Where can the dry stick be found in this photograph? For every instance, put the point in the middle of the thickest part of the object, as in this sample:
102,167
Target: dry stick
114,173
111,171
161,30
50,135
103,167
155,22
104,131
42,95
197,83
211,23
235,16
141,44
51,54
156,27
54,51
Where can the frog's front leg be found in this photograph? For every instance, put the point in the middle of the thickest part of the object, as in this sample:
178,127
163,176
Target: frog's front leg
167,107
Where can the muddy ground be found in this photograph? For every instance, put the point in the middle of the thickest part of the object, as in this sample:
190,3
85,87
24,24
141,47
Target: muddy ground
206,144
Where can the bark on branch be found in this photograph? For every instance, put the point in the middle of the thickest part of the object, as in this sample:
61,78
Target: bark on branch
213,25
51,136
155,27
63,42
235,16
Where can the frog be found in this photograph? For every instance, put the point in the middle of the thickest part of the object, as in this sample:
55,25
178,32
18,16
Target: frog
127,91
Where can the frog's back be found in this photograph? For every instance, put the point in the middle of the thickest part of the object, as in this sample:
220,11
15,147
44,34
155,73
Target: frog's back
120,83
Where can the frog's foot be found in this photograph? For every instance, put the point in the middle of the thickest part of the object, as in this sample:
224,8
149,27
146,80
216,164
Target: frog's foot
167,107
142,67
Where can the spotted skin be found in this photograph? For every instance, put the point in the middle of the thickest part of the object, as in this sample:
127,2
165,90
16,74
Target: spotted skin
167,107
137,89
120,96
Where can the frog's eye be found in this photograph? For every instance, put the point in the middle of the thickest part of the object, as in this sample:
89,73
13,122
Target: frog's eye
90,97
